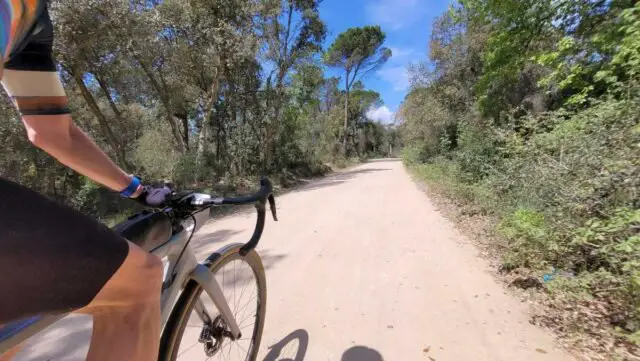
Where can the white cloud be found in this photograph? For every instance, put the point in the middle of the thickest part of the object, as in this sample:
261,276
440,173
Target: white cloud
381,114
401,53
397,76
396,14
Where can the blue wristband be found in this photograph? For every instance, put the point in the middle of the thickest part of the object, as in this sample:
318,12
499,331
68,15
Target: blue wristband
132,188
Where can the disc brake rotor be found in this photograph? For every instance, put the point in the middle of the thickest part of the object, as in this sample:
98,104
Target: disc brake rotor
213,336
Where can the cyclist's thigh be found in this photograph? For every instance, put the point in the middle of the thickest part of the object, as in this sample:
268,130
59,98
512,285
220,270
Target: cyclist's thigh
9,355
53,259
138,281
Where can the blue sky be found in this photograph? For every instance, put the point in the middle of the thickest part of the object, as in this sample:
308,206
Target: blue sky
407,24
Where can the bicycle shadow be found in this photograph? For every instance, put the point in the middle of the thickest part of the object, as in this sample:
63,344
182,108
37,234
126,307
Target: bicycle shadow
241,273
293,347
204,243
361,353
67,339
287,350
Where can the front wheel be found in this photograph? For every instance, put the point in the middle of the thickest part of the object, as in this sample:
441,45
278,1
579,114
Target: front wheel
188,337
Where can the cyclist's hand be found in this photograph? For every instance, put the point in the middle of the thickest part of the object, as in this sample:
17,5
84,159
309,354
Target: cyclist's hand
154,196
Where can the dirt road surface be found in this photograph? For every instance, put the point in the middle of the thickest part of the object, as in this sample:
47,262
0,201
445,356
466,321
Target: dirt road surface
362,267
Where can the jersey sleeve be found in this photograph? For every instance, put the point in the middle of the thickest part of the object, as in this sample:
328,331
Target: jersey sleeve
6,27
30,75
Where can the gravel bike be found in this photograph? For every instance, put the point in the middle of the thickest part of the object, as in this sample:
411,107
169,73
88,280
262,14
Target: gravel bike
199,301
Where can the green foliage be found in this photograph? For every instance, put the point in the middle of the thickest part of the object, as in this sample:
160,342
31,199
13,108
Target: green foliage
478,152
530,242
155,155
445,176
200,93
546,141
626,60
97,201
358,49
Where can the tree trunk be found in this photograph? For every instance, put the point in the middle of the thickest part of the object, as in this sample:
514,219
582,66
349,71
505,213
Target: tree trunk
346,123
272,132
102,120
112,103
184,122
123,122
206,121
274,124
166,102
185,131
284,64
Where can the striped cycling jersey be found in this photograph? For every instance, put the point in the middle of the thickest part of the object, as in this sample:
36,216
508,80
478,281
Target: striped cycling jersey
29,73
16,18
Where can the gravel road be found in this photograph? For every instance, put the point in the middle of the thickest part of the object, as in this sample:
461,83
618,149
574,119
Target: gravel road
362,267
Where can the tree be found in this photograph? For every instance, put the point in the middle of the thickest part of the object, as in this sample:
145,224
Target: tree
570,41
293,32
356,51
528,110
203,93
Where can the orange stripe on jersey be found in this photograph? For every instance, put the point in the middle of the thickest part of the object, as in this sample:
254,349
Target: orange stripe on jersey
16,19
31,103
23,15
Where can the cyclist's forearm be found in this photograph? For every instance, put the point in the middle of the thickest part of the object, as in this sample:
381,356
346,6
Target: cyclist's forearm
87,158
71,146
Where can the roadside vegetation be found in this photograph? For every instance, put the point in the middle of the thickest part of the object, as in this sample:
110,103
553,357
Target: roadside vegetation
207,94
529,111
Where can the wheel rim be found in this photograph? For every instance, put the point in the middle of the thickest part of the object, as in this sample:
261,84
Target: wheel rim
242,292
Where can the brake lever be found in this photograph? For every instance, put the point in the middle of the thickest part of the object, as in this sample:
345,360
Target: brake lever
272,205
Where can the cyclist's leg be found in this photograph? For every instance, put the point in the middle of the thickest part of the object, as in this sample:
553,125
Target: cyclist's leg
126,312
60,260
63,261
8,356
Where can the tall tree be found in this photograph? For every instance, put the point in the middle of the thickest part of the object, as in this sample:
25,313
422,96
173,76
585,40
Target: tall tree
293,31
191,91
356,51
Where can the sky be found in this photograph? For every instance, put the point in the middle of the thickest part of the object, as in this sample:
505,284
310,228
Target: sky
407,24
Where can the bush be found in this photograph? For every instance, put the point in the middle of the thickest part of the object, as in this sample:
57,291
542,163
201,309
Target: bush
99,202
530,243
478,152
564,183
156,154
566,188
445,175
412,155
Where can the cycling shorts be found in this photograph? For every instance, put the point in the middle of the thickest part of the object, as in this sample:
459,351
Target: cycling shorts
53,259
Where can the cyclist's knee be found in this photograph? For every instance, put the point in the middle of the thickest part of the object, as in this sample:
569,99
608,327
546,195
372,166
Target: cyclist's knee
10,355
156,270
138,281
148,279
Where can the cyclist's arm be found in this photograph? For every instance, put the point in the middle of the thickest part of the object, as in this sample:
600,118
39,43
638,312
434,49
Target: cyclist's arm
30,79
62,139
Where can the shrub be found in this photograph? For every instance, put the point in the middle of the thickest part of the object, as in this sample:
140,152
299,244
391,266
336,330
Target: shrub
530,243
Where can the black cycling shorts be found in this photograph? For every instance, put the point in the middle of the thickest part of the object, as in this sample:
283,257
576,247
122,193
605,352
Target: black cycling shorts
53,259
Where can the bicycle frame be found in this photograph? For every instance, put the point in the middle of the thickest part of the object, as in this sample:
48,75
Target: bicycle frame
181,266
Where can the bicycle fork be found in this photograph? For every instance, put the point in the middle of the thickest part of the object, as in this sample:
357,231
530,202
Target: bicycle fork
210,285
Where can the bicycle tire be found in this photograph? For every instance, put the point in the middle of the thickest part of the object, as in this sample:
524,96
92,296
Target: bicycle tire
177,322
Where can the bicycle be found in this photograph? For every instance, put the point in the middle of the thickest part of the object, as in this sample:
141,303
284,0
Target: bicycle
167,233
